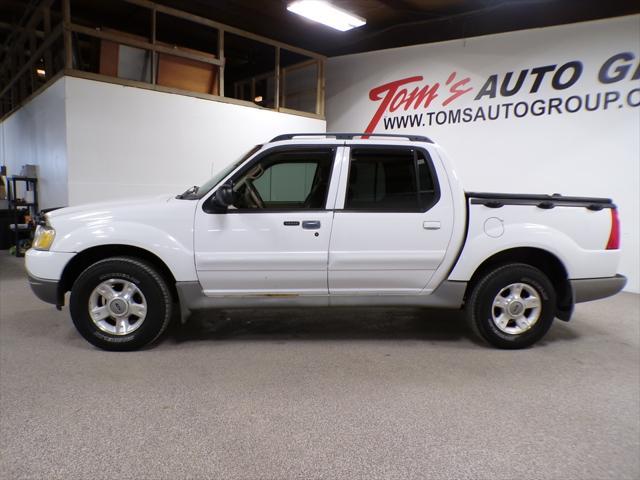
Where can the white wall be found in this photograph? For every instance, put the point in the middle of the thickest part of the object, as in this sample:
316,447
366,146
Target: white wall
125,141
36,134
595,153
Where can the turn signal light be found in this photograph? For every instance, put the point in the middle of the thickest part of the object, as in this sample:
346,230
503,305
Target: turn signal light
43,237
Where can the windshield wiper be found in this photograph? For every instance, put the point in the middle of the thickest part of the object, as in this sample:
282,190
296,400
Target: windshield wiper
189,193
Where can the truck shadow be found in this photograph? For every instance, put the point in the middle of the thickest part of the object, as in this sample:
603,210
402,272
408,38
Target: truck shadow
319,324
322,324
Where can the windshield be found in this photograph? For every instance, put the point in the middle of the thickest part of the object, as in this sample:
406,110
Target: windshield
197,192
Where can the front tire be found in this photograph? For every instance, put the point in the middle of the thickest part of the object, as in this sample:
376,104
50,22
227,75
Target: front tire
512,306
120,303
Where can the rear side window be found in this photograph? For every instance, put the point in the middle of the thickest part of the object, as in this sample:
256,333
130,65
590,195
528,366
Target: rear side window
390,180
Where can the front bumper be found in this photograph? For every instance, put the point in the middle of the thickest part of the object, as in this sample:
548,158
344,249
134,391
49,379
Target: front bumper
587,289
45,269
46,264
45,290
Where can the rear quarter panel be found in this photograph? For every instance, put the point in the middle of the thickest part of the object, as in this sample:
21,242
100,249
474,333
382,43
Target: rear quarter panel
576,235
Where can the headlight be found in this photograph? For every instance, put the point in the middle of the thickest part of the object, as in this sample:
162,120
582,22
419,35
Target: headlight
44,237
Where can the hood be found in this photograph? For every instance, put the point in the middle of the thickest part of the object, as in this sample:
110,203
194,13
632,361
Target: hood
97,208
151,223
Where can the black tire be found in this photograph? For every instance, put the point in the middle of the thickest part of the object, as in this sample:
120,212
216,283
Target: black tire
480,309
149,282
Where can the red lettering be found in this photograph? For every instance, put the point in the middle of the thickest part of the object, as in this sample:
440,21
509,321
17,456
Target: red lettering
388,91
392,97
398,100
456,88
425,94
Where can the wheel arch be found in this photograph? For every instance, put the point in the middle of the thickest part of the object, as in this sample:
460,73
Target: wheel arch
87,257
545,261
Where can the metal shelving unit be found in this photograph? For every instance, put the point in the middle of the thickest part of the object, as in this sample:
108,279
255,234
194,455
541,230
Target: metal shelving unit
19,207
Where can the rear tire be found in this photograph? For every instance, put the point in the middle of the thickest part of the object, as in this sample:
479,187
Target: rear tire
512,306
120,304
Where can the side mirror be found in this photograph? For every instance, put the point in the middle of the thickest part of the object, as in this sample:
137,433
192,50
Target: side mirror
220,200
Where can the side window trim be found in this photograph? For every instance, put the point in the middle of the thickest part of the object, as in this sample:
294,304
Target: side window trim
336,178
344,179
333,148
416,169
434,178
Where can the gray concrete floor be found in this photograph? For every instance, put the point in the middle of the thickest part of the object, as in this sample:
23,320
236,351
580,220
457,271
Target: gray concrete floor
318,394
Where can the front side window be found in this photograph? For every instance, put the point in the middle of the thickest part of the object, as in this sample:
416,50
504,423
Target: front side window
392,180
286,180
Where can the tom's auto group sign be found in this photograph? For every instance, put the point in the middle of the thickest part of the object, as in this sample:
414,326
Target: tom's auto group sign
416,102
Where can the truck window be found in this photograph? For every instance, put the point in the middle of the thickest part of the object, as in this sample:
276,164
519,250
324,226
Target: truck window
391,180
290,180
428,193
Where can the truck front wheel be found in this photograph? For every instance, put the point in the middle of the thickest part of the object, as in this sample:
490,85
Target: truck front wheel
512,306
120,303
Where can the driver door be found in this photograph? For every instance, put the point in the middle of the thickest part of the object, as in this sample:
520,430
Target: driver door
274,239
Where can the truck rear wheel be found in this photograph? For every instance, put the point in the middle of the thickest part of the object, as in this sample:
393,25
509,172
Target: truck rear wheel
512,306
120,303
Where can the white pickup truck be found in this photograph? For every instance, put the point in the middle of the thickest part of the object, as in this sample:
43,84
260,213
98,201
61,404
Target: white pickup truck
314,220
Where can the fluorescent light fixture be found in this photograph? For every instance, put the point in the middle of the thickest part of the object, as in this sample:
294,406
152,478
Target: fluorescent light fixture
323,12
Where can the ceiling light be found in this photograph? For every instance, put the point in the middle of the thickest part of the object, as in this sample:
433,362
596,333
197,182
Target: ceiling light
41,72
325,13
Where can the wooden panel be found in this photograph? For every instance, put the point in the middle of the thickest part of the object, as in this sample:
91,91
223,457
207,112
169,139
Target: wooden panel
110,52
109,58
172,70
187,74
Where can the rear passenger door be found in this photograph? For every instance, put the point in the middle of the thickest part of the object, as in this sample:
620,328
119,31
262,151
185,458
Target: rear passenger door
392,223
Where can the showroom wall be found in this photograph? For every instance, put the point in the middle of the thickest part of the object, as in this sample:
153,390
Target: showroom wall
539,111
126,141
36,134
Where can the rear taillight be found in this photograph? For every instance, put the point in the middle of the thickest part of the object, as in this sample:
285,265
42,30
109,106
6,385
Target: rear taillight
614,235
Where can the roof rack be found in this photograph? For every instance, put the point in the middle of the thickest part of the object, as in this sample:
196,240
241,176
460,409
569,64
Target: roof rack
350,136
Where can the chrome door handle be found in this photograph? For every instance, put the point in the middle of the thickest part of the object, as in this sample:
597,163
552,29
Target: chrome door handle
311,224
431,225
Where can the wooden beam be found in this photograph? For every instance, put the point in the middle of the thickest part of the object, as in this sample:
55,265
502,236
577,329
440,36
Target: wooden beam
22,82
320,92
9,26
223,60
276,102
48,57
68,39
154,54
32,49
161,88
133,42
300,113
283,90
298,66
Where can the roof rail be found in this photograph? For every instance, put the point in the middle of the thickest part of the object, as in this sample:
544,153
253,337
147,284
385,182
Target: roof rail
350,136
